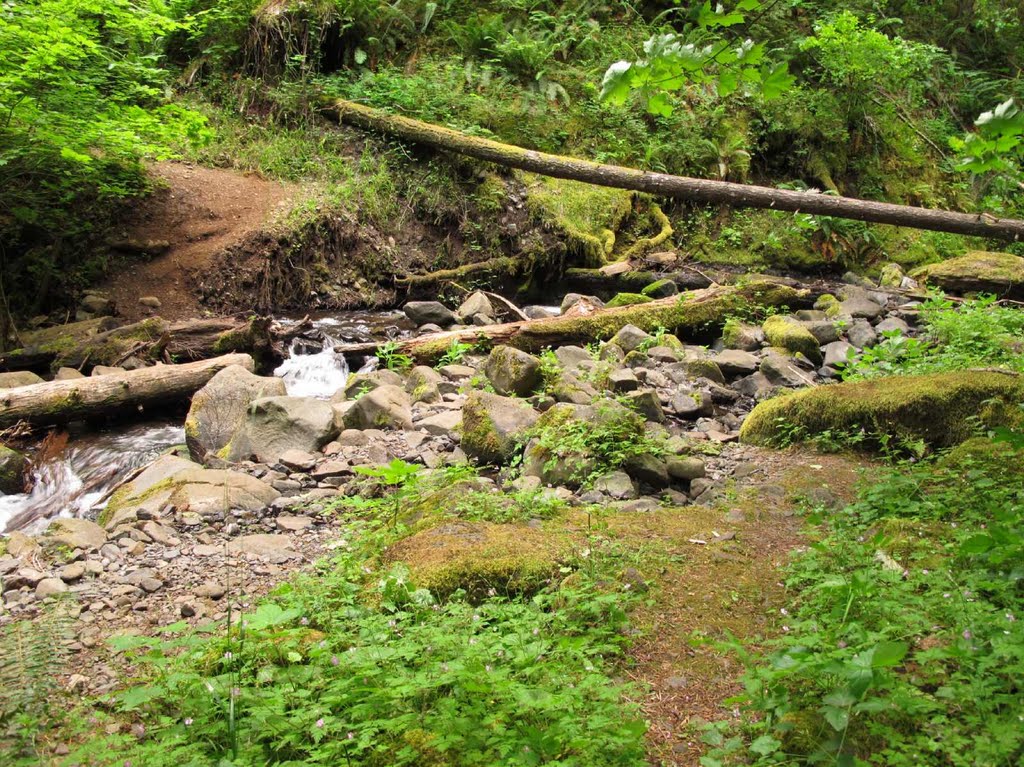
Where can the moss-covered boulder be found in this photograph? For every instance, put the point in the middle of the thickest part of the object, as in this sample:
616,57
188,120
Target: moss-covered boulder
979,271
12,470
493,426
360,383
787,333
481,558
386,407
512,371
628,299
942,409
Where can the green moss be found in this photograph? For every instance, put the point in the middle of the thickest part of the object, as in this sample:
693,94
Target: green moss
943,409
122,497
481,558
978,271
12,469
788,334
629,299
983,452
829,304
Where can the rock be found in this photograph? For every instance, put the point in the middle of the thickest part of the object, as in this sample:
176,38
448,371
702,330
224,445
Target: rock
663,354
386,407
275,548
21,546
663,258
150,302
647,404
297,460
837,354
50,587
623,380
978,271
19,379
73,572
512,371
457,373
210,590
67,374
106,370
73,534
98,305
861,334
756,385
938,408
688,370
787,333
692,405
859,304
353,438
648,470
781,370
218,409
424,312
573,357
660,289
571,299
291,523
476,304
628,299
891,276
686,469
738,335
735,362
443,424
824,331
492,426
12,471
274,425
629,338
422,384
362,383
332,468
537,312
893,323
617,485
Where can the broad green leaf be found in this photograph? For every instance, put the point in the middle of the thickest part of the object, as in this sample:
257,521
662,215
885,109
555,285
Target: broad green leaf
838,718
776,81
888,654
766,745
617,81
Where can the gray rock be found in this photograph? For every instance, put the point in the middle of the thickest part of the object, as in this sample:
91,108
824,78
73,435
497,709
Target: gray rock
218,409
647,404
12,470
837,354
106,370
67,374
18,379
748,338
824,331
811,315
860,305
648,470
150,302
781,370
623,380
492,425
537,312
291,523
692,405
664,354
422,384
273,425
512,371
571,299
862,335
210,590
442,424
274,548
98,305
353,438
73,572
457,373
73,534
686,469
572,357
893,323
360,383
386,407
50,587
629,338
424,312
617,485
735,362
476,304
297,460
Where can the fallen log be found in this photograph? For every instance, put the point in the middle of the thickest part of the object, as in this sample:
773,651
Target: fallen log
115,394
605,286
686,315
149,340
678,187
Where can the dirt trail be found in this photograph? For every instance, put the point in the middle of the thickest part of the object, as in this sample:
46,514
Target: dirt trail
200,212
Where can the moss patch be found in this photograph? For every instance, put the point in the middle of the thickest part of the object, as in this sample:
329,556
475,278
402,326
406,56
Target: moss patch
481,558
788,334
941,409
629,299
978,272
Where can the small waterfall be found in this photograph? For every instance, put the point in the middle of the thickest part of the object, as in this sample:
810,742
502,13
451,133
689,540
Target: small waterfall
318,374
73,481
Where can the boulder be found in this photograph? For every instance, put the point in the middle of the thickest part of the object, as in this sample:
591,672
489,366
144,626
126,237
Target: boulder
629,338
686,468
648,470
738,335
12,471
422,384
617,485
660,289
477,304
734,362
493,426
429,312
787,333
572,357
442,424
219,408
941,409
978,271
512,371
386,407
18,379
360,383
98,305
571,299
73,534
628,299
837,354
273,425
647,404
861,334
781,370
67,374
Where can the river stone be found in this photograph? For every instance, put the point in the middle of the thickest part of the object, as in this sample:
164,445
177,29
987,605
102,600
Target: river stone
571,299
18,379
738,335
12,470
441,424
50,587
360,383
429,312
686,468
214,492
629,338
571,357
422,384
893,323
623,380
492,425
475,305
825,331
861,334
275,548
73,534
647,404
735,362
978,271
219,408
67,374
789,334
97,304
273,425
837,354
617,485
512,371
297,460
780,370
648,470
386,407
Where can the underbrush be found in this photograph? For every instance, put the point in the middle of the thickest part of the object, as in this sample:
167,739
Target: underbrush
903,644
354,664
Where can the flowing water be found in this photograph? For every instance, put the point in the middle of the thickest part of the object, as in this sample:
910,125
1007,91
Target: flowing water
74,480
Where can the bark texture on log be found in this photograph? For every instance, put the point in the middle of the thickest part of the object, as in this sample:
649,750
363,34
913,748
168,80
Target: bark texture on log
116,394
684,314
679,187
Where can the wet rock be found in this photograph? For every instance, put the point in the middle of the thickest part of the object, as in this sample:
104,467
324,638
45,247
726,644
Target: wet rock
12,470
512,371
492,425
424,312
218,409
386,407
273,425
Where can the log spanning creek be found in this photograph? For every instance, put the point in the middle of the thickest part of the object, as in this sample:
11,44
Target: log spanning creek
75,472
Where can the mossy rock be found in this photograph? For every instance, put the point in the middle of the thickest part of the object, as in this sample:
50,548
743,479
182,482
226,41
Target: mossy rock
494,426
12,470
481,558
628,299
941,409
979,271
660,289
792,336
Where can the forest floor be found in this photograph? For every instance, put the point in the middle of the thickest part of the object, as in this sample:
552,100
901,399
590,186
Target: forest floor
199,212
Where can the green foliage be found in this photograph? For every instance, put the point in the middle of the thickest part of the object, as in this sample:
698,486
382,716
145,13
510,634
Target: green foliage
393,359
456,353
978,333
997,146
902,645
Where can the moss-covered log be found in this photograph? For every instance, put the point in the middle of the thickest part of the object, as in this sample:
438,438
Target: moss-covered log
678,187
495,268
118,394
941,409
686,314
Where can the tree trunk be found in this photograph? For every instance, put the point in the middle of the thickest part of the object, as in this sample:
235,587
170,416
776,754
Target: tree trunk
685,314
118,394
679,187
